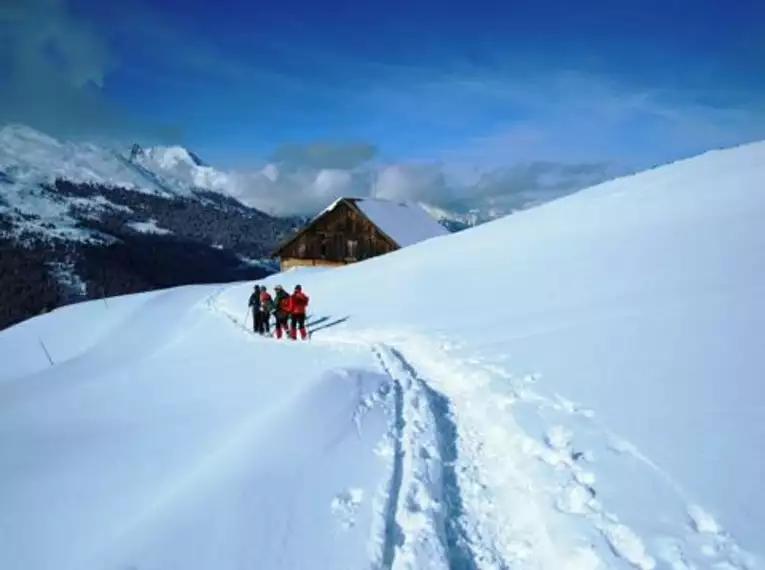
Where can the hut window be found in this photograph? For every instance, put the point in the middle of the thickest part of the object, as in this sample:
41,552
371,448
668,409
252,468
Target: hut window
352,247
301,249
323,248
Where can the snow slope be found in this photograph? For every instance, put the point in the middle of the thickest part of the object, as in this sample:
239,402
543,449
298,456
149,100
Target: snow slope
585,393
150,445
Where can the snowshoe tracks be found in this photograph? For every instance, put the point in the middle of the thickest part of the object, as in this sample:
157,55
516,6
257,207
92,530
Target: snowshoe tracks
422,527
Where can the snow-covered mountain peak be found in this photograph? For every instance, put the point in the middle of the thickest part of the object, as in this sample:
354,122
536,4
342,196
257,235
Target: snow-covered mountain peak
28,158
167,157
180,167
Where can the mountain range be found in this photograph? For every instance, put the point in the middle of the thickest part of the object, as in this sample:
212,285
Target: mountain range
84,220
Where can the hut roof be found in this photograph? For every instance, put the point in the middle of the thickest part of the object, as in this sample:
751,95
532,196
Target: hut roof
404,223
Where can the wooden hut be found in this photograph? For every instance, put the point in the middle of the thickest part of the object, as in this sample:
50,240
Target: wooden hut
354,229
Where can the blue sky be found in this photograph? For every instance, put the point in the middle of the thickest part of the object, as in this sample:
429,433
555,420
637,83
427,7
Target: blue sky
492,83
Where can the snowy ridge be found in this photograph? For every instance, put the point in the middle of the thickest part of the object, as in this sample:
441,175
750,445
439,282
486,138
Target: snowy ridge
183,169
29,158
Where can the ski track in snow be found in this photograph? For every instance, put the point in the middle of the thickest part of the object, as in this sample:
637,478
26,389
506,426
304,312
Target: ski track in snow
424,505
468,488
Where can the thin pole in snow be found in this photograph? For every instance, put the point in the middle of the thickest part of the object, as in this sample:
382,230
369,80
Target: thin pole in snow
42,344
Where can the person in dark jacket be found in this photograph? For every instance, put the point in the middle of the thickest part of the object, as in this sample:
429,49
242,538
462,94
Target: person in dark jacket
282,309
298,306
254,303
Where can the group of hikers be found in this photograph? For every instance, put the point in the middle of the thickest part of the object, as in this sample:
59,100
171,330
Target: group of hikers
288,310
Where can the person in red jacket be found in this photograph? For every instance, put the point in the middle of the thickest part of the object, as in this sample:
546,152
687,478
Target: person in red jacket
299,304
266,307
282,309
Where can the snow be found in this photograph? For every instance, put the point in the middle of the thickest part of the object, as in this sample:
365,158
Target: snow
33,211
467,219
598,405
180,169
703,521
68,279
270,265
405,223
131,454
31,157
149,227
171,156
38,212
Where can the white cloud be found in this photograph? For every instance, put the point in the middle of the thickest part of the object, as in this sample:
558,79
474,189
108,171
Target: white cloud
420,182
292,189
283,191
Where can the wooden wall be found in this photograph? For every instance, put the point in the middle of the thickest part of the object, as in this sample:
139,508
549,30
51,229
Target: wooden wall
286,263
340,236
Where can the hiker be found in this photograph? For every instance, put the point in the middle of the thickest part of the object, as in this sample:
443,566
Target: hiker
266,306
299,302
282,309
254,304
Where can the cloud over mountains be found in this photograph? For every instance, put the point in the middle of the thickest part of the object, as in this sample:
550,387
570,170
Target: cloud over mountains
299,180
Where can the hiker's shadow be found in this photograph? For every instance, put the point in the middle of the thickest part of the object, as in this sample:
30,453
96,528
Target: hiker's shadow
325,323
311,322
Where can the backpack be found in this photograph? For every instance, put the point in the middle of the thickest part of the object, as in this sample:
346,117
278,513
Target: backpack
266,304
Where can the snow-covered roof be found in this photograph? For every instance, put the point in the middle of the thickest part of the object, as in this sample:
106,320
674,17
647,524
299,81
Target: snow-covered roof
405,223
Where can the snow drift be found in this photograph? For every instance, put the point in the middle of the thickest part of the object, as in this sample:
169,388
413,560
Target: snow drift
576,386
